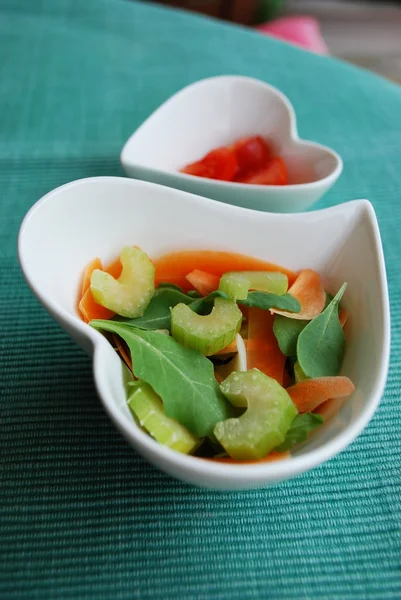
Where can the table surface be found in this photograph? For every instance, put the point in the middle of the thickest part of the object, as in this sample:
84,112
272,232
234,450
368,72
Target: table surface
82,515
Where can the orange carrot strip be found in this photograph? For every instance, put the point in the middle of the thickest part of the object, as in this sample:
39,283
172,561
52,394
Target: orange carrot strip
273,456
343,316
122,351
309,291
330,408
310,393
92,310
175,266
203,282
88,308
263,352
114,269
218,377
96,263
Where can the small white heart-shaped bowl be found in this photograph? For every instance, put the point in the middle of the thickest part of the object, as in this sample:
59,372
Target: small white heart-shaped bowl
98,216
216,112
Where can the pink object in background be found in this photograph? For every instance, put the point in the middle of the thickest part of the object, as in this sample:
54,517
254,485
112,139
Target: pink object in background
301,31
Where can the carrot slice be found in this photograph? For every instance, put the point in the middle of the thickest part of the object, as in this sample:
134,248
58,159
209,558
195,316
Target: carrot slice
96,263
273,456
309,291
114,269
263,352
122,350
328,409
88,308
175,266
92,310
311,393
230,349
343,316
203,282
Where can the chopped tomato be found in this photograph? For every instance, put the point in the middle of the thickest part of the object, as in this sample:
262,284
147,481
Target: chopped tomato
252,153
217,164
274,173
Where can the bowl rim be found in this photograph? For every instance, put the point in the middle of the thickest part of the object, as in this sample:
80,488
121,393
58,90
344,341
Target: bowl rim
256,473
294,136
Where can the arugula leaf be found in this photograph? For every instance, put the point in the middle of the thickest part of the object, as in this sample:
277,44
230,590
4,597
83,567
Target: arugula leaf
165,285
194,294
266,301
182,377
287,331
301,426
321,345
158,314
204,305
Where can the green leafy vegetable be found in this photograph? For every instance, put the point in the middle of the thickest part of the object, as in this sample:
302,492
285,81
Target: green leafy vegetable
300,428
287,331
321,345
158,314
182,377
194,294
165,285
204,305
267,301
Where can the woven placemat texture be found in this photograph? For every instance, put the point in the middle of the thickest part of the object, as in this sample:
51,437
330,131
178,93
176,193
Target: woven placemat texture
81,514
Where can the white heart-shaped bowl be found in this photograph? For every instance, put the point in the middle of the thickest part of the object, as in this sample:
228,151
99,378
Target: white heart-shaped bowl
218,111
97,217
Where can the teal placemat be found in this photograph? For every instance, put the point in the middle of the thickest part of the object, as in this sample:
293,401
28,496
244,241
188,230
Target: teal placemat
81,514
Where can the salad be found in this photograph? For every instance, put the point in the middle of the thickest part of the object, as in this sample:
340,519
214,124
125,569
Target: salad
232,358
249,160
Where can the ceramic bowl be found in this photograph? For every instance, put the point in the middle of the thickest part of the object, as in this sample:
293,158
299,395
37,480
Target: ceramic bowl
97,217
218,111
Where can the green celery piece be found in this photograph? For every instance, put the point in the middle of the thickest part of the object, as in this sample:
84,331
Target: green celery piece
237,284
298,373
321,345
287,331
204,304
158,313
268,301
300,428
183,378
206,333
147,406
130,294
265,423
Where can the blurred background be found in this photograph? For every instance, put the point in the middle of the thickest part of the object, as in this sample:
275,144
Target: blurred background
367,33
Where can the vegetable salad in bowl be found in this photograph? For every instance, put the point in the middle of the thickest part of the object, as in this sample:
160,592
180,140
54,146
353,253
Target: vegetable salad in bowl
232,359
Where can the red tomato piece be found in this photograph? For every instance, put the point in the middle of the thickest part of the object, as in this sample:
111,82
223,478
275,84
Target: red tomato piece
252,153
217,164
274,173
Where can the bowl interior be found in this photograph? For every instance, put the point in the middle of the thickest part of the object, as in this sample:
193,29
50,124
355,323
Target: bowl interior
97,217
216,112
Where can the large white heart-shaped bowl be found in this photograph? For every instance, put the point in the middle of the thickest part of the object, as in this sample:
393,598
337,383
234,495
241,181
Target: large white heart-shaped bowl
97,217
218,111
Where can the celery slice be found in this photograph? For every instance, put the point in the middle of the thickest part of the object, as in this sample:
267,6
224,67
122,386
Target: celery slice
234,285
147,406
130,294
237,284
298,373
206,333
264,425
